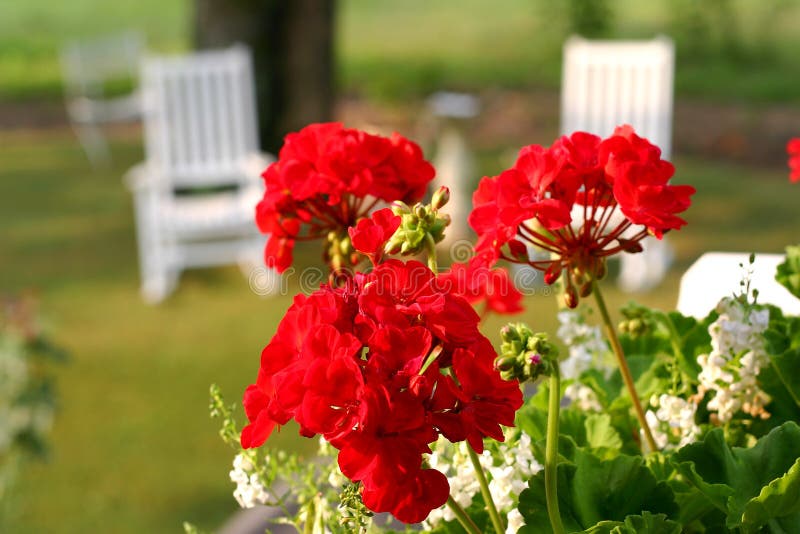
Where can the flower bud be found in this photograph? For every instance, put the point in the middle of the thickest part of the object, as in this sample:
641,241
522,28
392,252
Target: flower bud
586,289
570,296
400,208
440,198
630,245
552,273
523,354
518,250
600,269
639,320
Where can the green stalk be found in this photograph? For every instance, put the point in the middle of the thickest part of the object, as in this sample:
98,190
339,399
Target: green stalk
624,370
308,528
430,245
487,495
551,452
465,520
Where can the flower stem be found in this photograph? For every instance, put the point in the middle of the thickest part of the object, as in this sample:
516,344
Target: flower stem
430,245
487,495
308,528
465,520
551,453
624,370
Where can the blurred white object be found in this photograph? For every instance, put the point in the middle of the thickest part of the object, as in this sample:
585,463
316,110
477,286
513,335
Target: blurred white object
454,162
196,192
609,83
718,274
88,67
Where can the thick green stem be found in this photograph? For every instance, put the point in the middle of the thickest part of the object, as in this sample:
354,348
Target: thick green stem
308,528
465,520
551,453
624,370
430,246
487,495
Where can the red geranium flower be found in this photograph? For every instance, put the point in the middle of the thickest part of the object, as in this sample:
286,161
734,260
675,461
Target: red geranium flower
479,283
582,200
793,149
365,366
370,235
327,177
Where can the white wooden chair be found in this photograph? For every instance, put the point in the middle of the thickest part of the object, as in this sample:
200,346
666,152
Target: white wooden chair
196,191
717,274
609,83
88,68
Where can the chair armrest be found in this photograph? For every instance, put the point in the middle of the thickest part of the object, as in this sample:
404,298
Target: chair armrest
139,177
256,164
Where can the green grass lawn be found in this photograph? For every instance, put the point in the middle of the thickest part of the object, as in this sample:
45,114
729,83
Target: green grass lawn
395,50
133,449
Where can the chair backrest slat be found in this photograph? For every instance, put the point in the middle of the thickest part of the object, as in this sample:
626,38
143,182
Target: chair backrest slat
608,83
199,116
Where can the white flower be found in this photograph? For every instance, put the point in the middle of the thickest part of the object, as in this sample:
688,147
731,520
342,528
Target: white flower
583,396
515,521
587,348
508,471
249,489
672,424
737,356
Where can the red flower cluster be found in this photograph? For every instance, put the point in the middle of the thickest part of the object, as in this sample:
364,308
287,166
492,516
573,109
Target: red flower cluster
793,149
362,365
579,201
370,235
480,284
327,177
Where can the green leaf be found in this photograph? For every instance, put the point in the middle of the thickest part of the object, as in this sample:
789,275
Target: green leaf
780,499
592,490
600,433
646,523
730,477
783,348
788,272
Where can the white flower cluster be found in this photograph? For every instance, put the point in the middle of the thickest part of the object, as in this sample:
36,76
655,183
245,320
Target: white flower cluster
737,356
516,465
584,397
587,348
672,423
249,491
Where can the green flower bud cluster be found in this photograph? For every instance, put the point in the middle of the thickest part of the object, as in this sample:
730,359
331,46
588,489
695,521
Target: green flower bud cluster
421,226
339,252
639,320
524,355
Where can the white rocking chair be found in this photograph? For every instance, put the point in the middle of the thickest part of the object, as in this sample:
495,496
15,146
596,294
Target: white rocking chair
609,83
88,67
195,194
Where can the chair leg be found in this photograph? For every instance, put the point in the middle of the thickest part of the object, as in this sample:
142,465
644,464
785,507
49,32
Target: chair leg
159,280
94,144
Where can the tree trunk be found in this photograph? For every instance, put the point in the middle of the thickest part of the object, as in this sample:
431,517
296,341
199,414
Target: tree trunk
292,44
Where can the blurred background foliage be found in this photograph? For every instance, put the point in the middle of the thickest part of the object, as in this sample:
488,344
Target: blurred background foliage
133,449
727,49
